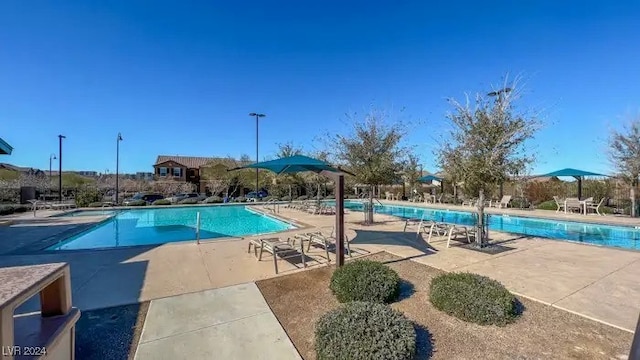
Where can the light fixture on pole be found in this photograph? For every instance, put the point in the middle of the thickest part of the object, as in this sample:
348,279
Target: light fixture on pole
118,164
257,116
60,137
51,157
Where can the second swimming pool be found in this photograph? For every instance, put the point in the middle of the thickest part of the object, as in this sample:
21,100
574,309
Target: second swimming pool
597,234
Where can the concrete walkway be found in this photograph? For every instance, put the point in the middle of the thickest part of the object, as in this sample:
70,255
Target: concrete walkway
234,322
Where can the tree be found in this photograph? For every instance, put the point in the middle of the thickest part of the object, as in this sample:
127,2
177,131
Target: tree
372,151
624,154
411,171
216,176
487,145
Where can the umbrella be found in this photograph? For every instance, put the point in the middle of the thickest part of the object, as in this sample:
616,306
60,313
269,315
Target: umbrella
575,173
301,163
5,149
292,164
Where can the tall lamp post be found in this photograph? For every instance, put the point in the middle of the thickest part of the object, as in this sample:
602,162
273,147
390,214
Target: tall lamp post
119,138
60,137
257,116
51,157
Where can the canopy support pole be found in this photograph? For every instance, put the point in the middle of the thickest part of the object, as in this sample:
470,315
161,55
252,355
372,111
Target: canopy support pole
338,179
579,178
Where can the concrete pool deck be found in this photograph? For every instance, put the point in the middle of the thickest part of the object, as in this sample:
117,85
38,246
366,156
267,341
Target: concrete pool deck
596,282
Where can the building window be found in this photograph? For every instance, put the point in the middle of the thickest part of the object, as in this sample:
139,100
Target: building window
163,171
177,172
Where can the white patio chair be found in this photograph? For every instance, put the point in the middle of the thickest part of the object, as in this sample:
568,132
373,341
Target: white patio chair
596,207
559,203
503,203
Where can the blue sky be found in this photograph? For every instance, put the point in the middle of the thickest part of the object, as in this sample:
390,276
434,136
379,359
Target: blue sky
181,77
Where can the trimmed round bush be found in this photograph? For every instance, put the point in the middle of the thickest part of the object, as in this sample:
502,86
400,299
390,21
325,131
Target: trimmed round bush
190,201
330,197
366,331
473,298
213,200
286,198
240,199
365,280
95,204
162,202
137,203
303,197
21,208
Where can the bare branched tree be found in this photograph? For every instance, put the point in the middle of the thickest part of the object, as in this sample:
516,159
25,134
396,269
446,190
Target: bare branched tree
624,154
373,151
486,144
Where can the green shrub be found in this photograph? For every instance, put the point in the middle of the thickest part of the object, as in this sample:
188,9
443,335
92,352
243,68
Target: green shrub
286,198
162,202
270,198
303,197
137,203
330,197
8,209
365,280
86,195
367,331
213,200
95,204
240,199
473,298
21,208
190,201
548,205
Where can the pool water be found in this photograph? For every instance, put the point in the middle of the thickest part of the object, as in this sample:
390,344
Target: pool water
605,235
162,225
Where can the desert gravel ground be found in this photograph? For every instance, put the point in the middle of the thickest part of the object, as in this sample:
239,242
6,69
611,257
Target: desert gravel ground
542,332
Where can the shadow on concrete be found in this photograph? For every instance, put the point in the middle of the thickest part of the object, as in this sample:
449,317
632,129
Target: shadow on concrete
380,237
110,333
98,279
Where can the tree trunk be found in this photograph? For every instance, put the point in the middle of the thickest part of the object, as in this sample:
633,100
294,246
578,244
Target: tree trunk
480,235
370,209
633,211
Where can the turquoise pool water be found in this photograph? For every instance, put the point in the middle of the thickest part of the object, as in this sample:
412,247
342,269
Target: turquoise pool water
605,235
162,225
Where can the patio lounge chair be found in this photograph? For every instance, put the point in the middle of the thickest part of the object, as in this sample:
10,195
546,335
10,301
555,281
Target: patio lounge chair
452,231
503,203
469,202
597,206
324,241
277,247
559,203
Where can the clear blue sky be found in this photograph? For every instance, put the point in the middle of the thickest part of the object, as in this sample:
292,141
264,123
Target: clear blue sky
180,77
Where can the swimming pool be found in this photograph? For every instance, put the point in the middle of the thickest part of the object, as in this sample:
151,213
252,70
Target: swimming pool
162,225
605,235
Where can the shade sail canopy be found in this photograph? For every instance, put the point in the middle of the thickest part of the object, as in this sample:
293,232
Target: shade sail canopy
301,163
292,164
5,149
429,178
572,172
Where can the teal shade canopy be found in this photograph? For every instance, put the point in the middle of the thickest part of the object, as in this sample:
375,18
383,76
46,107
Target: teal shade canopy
5,149
292,164
429,178
572,172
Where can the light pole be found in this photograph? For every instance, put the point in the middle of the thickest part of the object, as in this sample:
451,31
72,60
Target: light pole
119,138
51,157
257,116
60,137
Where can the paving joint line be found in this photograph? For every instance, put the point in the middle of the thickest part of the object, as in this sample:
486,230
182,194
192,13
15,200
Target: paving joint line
268,311
595,281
